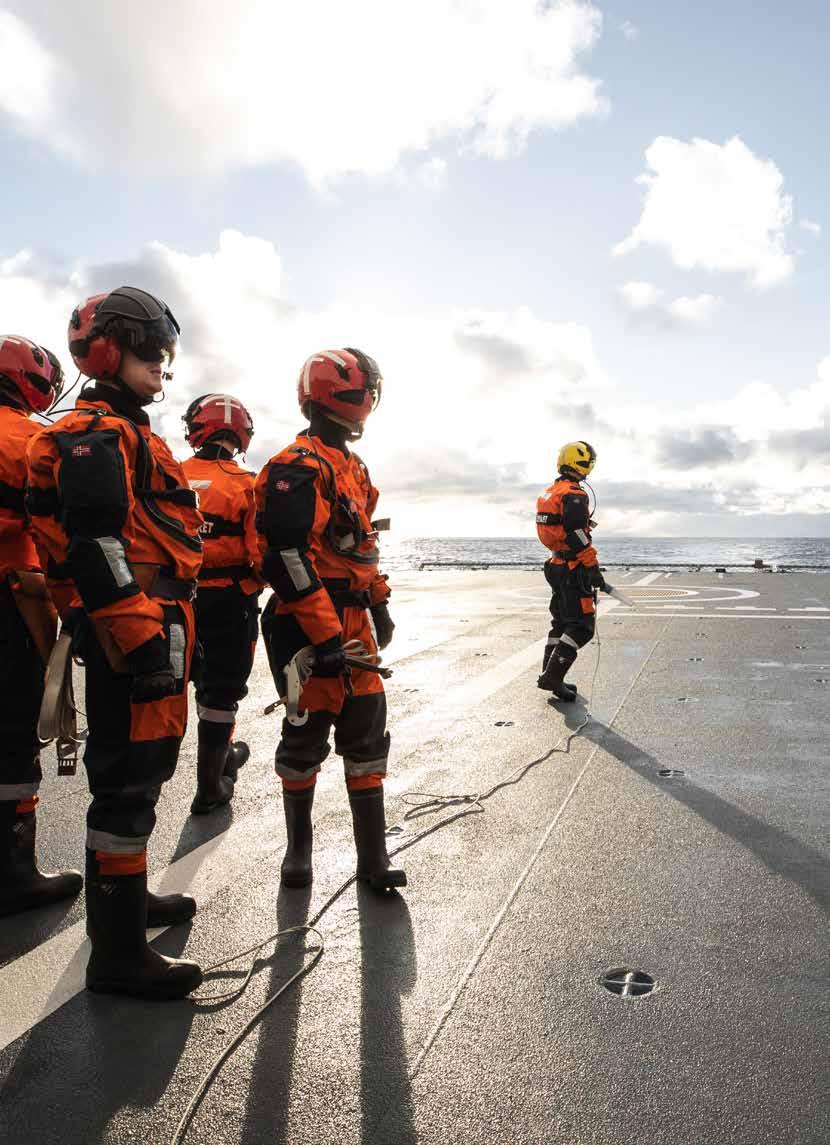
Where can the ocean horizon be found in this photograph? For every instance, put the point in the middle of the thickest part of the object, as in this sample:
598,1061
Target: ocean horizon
780,552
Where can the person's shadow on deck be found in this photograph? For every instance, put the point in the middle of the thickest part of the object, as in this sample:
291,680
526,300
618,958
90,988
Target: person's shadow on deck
269,1089
111,1055
389,971
780,852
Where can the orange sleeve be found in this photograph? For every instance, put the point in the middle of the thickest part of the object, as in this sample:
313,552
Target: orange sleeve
292,514
93,536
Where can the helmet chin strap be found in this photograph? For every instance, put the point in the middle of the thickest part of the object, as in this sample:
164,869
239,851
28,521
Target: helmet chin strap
355,428
119,384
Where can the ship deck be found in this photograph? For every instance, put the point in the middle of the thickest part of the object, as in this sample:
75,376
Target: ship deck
682,834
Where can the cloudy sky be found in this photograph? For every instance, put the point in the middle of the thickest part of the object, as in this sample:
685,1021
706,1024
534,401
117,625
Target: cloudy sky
545,220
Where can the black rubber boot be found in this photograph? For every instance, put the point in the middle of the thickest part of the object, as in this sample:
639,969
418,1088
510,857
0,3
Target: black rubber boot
22,885
238,754
545,657
370,839
168,910
213,788
296,869
552,679
121,962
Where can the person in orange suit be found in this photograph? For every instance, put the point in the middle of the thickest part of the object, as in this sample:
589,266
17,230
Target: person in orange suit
315,502
31,380
563,524
112,507
227,611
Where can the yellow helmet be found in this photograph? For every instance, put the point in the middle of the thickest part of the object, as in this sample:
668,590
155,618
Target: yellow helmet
578,456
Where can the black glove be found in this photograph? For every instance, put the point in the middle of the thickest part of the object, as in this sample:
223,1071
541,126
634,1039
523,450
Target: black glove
153,685
595,578
329,658
152,672
384,627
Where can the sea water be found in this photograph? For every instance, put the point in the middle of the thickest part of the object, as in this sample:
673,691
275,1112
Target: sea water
414,553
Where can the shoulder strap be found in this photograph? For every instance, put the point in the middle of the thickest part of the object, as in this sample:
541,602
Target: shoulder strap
330,479
363,466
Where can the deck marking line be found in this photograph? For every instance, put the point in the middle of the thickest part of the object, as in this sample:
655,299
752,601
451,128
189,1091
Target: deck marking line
649,578
725,615
472,965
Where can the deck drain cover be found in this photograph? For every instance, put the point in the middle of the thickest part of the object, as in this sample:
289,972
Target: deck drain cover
627,983
667,772
696,659
503,724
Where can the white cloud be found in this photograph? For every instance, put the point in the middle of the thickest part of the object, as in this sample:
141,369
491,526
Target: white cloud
28,89
336,88
759,410
693,310
480,369
645,300
629,30
717,207
640,296
516,345
810,226
432,174
475,402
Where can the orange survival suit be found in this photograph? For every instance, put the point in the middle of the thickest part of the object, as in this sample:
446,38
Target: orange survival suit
21,665
227,611
31,381
112,508
314,516
563,525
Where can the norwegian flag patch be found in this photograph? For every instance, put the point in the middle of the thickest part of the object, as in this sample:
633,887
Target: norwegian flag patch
81,450
282,486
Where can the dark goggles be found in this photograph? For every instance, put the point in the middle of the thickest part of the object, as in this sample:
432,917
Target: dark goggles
151,341
156,346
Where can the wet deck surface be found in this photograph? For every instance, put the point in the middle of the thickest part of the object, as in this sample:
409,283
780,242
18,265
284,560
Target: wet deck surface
469,1008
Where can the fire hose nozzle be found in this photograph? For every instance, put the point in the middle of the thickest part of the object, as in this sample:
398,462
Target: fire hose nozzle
617,595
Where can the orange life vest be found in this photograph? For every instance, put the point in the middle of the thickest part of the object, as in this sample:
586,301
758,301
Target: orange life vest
314,521
563,523
226,502
160,521
17,545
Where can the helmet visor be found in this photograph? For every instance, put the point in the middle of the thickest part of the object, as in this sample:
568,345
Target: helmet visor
155,341
58,379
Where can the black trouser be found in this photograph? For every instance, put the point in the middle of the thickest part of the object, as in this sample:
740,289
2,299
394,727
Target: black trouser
21,687
131,749
354,705
571,605
227,627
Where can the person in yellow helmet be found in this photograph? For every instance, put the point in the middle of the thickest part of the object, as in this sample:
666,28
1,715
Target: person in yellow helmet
563,523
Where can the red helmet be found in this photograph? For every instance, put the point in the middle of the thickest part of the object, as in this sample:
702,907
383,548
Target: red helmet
345,383
212,414
124,319
33,371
